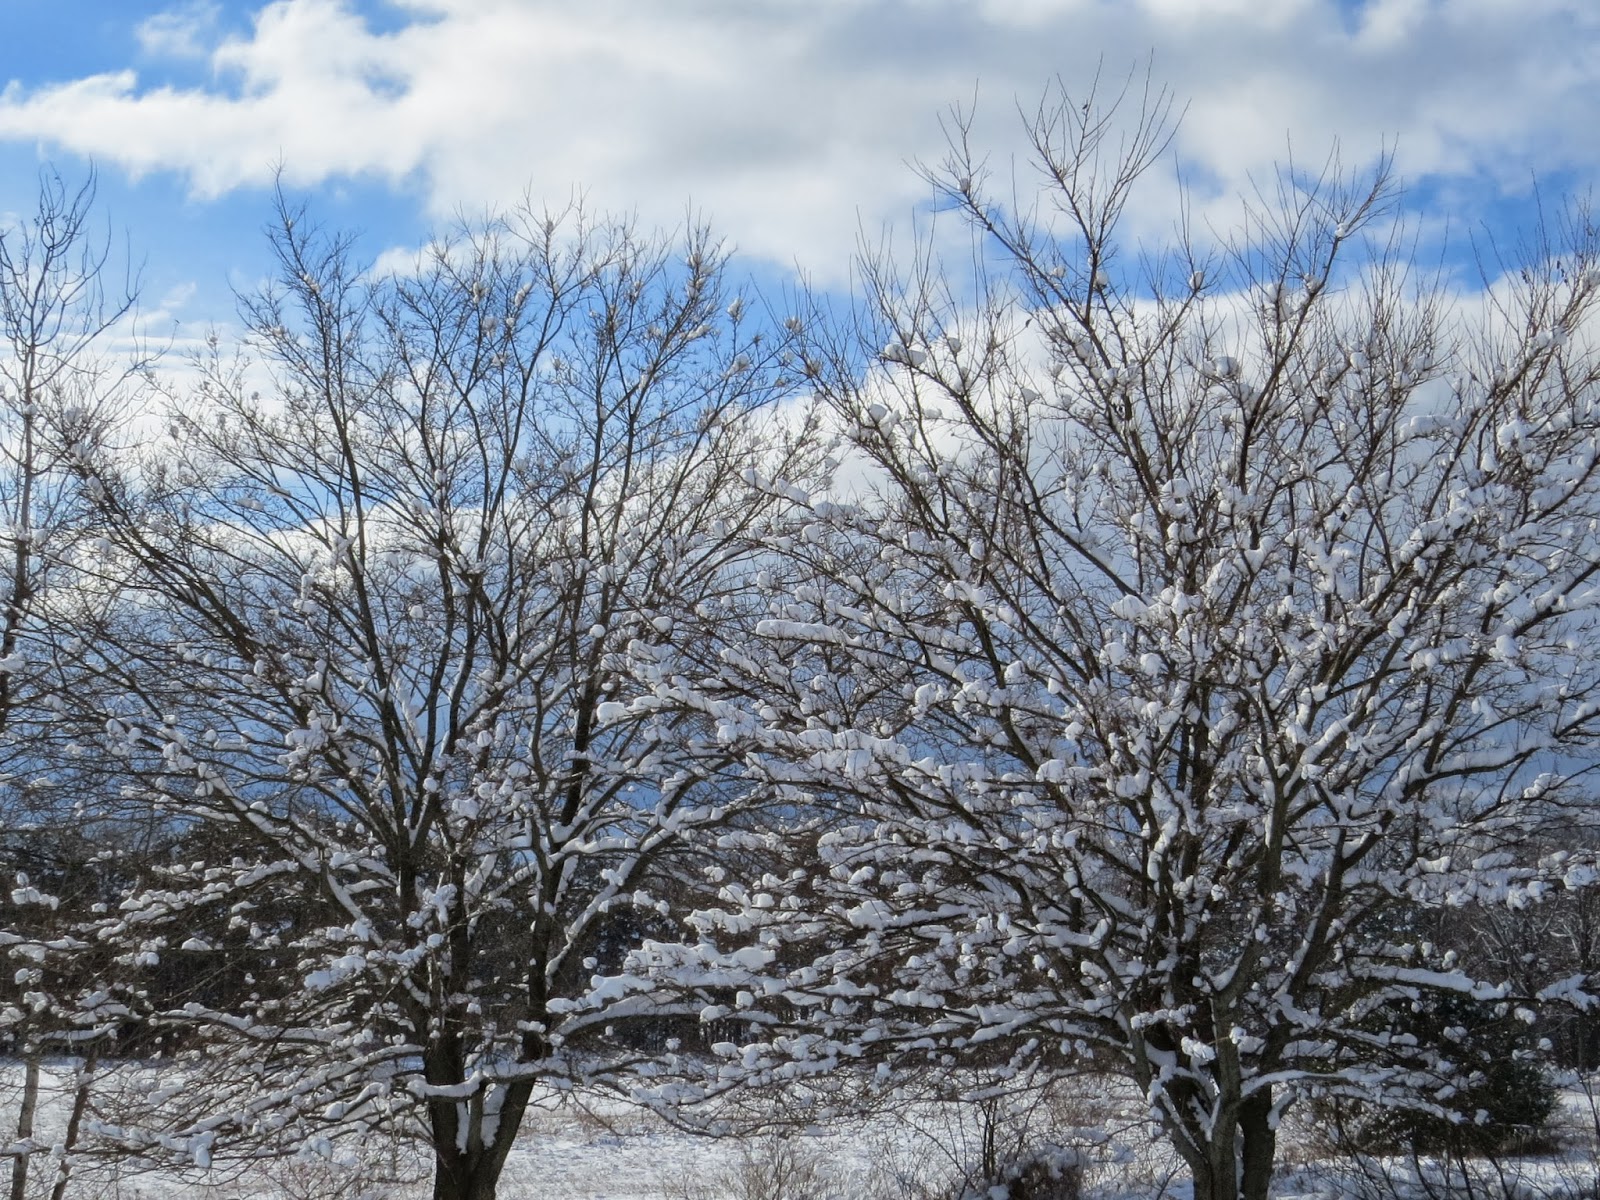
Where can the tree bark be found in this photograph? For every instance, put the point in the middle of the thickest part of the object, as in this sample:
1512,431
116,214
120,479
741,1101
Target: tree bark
1218,1178
1211,1156
474,1173
25,1113
1235,1162
80,1104
466,1176
1259,1144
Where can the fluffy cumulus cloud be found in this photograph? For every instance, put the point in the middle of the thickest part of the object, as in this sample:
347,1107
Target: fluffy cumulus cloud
790,122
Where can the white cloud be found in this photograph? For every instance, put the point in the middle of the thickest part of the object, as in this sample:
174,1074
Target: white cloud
182,32
789,122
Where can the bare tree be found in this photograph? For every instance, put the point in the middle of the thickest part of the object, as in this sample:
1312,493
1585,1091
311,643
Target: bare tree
1196,610
393,594
61,391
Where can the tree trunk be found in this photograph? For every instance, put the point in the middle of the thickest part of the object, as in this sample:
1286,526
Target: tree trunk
80,1104
1235,1163
25,1112
1259,1148
474,1173
466,1177
1212,1161
1216,1173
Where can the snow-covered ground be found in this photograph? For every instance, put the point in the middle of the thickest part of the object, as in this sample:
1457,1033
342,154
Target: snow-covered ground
601,1149
598,1148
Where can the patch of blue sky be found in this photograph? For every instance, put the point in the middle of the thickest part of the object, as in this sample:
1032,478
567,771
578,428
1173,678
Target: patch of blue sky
1482,221
194,255
40,45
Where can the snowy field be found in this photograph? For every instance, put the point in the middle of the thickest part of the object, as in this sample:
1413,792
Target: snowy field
598,1148
601,1149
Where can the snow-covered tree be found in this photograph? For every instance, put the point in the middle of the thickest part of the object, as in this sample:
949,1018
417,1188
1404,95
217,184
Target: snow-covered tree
1198,614
61,392
393,589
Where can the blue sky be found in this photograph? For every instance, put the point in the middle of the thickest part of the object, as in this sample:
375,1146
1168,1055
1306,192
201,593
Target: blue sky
788,123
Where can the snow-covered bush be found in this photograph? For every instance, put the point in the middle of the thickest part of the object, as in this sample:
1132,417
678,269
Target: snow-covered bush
1482,1074
1045,1173
769,1167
